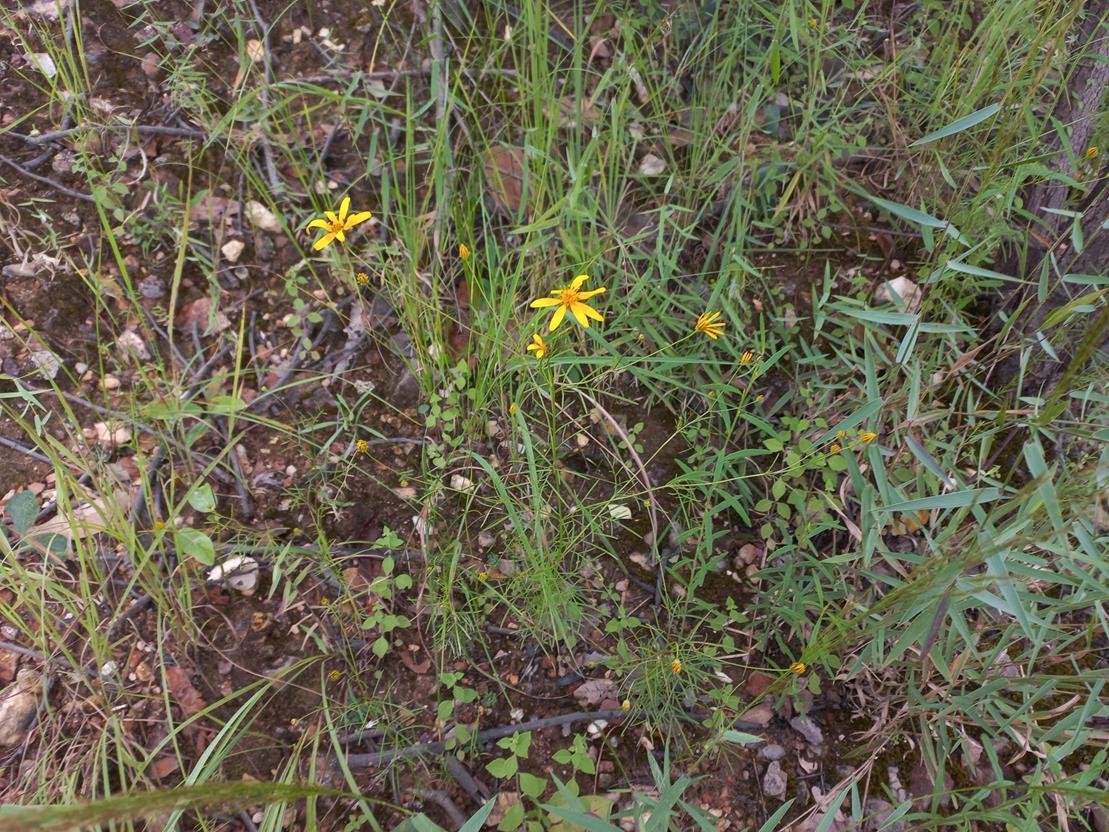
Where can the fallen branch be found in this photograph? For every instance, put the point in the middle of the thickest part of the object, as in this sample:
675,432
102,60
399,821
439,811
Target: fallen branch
46,180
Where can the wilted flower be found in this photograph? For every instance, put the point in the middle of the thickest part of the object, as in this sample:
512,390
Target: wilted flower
797,667
867,436
676,666
464,251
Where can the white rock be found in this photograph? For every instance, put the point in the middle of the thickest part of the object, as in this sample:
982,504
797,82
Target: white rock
908,291
261,217
45,9
18,704
46,363
232,250
774,782
461,483
652,165
108,669
110,435
596,727
239,573
43,63
130,342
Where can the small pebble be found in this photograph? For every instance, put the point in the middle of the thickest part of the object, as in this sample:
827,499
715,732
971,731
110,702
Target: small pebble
772,752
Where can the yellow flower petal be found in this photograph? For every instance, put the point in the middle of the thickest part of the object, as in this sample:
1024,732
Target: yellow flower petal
556,318
357,219
590,293
543,303
344,207
577,281
340,236
579,310
323,242
318,223
590,311
331,217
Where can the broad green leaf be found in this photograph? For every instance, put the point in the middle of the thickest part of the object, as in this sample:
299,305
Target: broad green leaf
918,217
477,820
772,821
959,125
203,499
195,544
532,786
513,817
956,499
740,738
503,767
23,508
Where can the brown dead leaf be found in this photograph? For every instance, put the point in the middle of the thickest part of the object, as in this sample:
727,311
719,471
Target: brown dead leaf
181,689
92,517
214,209
594,691
504,175
505,801
408,657
163,767
757,683
198,312
8,663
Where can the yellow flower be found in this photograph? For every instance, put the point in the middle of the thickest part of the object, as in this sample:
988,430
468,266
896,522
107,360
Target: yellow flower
464,251
512,409
483,576
707,323
626,705
840,434
747,357
797,667
1091,152
362,278
676,666
759,397
362,446
836,448
538,346
337,225
570,299
335,675
867,437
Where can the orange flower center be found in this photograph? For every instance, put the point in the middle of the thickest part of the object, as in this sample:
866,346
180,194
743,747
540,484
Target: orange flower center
568,297
336,227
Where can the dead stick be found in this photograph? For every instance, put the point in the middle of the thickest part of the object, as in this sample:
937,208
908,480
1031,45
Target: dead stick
58,186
